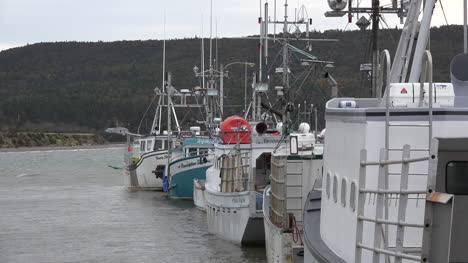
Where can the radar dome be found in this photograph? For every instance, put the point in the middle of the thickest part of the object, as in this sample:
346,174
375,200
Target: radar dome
304,128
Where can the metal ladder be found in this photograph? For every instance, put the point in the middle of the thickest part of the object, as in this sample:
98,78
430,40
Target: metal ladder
382,193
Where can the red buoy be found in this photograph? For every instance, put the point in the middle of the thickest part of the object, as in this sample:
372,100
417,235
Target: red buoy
235,129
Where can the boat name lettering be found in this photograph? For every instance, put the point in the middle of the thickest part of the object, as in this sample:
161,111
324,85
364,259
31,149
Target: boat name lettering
185,165
161,157
238,200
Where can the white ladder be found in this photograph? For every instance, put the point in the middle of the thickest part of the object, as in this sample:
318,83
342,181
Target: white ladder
380,221
383,193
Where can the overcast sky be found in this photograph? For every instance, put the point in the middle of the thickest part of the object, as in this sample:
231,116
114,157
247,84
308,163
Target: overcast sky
32,21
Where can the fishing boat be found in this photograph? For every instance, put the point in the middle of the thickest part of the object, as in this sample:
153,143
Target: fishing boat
145,161
235,183
394,186
295,169
147,156
190,166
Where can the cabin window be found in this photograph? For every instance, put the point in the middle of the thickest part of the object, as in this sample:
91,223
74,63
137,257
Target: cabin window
158,145
335,188
457,178
203,151
352,196
142,146
344,184
149,145
192,152
328,184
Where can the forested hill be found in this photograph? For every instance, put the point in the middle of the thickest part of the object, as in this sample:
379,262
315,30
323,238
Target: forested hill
77,86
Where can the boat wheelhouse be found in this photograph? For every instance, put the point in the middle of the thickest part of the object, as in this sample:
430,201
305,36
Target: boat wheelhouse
394,184
235,183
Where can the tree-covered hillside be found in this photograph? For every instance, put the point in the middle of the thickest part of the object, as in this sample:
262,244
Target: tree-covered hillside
77,86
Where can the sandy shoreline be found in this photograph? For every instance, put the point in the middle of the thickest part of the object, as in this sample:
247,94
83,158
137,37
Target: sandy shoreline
51,148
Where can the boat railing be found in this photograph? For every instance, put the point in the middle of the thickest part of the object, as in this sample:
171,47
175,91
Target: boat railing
385,215
426,77
385,61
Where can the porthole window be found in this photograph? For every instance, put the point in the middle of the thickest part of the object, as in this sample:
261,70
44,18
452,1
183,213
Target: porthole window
344,185
335,188
328,186
352,196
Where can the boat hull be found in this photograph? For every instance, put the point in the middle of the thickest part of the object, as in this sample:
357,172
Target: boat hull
278,243
183,173
142,176
229,217
199,194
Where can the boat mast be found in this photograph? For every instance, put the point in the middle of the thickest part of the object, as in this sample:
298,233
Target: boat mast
211,36
375,11
423,39
285,69
169,102
163,74
161,93
465,33
375,45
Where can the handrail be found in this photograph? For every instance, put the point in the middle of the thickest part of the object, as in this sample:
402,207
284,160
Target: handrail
385,57
426,75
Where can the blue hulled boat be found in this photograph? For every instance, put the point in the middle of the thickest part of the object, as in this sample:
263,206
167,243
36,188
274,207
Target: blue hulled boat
191,165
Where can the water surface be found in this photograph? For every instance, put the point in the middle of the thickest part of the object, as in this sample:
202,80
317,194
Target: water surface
68,206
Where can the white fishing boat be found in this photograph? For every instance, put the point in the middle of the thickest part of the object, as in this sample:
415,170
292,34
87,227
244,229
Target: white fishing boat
295,169
146,160
235,183
394,186
147,156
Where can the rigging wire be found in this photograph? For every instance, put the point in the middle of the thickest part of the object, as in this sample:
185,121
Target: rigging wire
443,12
383,22
144,115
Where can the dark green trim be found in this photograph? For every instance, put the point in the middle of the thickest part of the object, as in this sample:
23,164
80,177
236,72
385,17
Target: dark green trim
299,157
187,158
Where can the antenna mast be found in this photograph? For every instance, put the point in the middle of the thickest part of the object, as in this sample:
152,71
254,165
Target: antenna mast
375,11
163,72
465,37
211,34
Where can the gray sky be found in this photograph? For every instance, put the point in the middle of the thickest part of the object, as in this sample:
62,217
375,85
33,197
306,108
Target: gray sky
32,21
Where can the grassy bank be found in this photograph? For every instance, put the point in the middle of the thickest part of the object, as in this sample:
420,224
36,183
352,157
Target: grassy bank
35,139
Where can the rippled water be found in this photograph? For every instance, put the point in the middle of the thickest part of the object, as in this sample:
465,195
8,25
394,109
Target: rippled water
68,206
